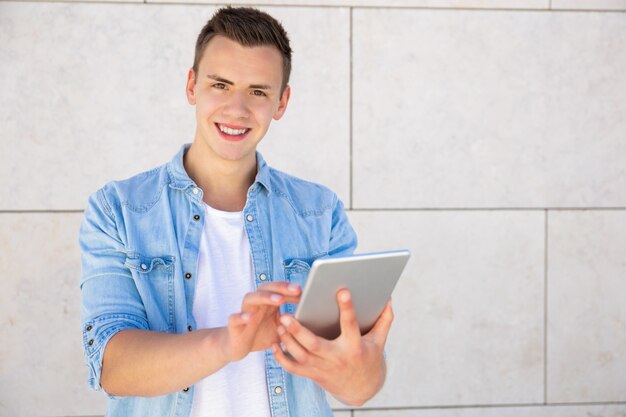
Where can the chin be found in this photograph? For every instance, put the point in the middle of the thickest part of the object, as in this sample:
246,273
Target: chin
235,155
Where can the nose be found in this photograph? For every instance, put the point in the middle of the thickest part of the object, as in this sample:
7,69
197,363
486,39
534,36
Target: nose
237,106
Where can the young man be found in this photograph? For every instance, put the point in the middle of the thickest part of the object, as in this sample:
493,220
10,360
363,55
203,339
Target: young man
190,270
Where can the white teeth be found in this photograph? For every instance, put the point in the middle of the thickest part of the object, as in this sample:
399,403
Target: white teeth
230,131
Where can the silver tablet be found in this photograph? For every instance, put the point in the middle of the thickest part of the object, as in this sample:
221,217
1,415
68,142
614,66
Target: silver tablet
370,277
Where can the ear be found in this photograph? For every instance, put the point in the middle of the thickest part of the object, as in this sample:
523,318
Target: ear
190,87
282,104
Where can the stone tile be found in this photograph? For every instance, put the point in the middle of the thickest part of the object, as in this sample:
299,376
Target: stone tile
588,4
470,4
42,370
586,309
479,4
488,109
608,410
99,95
89,1
468,309
313,139
86,1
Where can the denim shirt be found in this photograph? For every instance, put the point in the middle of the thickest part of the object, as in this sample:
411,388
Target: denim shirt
139,243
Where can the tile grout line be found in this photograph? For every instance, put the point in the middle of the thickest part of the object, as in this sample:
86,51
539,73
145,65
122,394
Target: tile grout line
490,406
374,209
350,36
330,6
545,309
41,211
444,209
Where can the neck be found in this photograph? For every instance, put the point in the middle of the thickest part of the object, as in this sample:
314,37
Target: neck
224,183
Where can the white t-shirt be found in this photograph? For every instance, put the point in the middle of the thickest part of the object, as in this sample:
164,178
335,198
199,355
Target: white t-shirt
224,275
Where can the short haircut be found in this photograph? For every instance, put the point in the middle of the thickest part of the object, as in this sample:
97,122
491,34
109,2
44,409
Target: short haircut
248,27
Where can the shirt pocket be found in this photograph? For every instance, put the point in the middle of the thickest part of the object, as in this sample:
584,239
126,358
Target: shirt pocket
296,272
154,278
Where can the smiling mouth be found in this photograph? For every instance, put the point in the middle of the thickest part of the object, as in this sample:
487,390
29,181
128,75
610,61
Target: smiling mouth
231,131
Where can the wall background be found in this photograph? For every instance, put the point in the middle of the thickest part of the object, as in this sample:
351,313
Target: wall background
487,136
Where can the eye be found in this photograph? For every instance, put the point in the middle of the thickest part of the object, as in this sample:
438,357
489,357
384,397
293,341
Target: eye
259,93
219,86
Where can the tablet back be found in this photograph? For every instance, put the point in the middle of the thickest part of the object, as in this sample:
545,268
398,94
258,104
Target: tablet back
370,277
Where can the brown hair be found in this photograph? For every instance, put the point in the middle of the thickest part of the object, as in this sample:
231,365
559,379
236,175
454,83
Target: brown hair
248,27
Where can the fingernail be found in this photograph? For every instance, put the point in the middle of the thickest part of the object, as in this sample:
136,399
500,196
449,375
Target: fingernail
285,320
276,297
245,316
345,297
281,330
293,287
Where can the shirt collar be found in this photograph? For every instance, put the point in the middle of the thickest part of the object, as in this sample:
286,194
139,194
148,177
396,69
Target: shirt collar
180,180
263,172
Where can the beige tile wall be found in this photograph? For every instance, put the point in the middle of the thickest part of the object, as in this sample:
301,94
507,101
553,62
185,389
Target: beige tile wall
488,137
479,4
469,307
504,109
106,78
586,309
590,410
611,5
588,4
42,371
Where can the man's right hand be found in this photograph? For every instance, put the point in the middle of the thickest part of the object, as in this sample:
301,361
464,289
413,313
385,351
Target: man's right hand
255,327
148,363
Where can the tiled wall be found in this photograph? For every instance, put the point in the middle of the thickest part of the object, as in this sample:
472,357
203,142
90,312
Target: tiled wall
487,136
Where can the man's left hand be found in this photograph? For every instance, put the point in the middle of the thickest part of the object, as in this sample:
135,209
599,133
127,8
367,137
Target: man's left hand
350,367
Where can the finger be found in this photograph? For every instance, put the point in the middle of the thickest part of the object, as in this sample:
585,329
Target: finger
314,344
382,326
347,317
261,298
282,287
288,364
239,319
292,346
291,292
241,329
285,294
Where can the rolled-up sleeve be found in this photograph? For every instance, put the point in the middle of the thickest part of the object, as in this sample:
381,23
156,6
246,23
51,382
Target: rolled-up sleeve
110,301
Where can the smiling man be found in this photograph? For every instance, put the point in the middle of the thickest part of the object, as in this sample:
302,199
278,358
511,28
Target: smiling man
190,271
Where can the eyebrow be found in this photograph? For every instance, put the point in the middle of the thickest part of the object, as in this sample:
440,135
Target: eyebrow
225,81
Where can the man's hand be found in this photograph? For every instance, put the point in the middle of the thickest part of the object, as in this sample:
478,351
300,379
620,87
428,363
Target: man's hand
255,327
147,363
351,367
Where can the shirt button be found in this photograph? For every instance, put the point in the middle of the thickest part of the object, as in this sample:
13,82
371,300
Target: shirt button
189,328
144,266
196,217
90,343
249,217
278,390
195,191
188,275
186,389
262,277
89,328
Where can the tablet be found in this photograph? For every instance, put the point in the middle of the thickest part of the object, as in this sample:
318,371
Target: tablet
370,277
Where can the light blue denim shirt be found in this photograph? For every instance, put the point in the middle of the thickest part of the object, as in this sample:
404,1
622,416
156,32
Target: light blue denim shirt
139,244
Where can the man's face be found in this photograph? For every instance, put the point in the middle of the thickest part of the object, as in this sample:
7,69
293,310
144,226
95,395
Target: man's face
237,94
